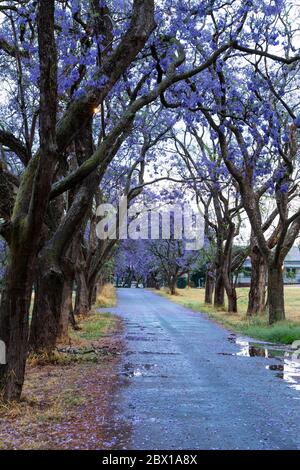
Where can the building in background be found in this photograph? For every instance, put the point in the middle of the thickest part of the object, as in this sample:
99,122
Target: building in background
291,269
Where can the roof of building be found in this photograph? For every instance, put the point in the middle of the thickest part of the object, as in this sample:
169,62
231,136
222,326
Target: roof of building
293,254
292,258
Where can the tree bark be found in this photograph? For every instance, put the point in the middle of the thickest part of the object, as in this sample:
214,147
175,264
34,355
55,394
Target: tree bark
94,291
230,290
53,306
257,292
82,306
14,324
172,285
73,322
219,290
209,286
46,316
232,300
66,308
275,293
226,269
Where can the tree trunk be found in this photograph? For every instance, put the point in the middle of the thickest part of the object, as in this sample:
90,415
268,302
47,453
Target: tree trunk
28,215
232,300
227,269
219,290
46,317
92,292
56,261
94,295
257,293
53,306
209,287
66,309
14,324
82,306
275,293
230,291
73,322
172,285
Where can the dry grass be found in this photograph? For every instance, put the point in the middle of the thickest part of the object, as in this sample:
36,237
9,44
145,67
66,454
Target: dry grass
44,359
49,390
107,297
283,332
33,408
195,297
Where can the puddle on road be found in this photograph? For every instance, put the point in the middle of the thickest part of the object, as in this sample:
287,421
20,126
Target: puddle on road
287,367
144,370
289,371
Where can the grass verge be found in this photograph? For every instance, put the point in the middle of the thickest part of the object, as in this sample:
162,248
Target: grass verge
284,332
93,327
107,297
59,389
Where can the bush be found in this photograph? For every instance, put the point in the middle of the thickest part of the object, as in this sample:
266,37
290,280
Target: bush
181,283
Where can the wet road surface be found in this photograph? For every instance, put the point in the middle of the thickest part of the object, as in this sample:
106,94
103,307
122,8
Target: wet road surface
187,384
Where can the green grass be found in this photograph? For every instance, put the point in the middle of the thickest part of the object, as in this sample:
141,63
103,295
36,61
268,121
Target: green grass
284,332
95,326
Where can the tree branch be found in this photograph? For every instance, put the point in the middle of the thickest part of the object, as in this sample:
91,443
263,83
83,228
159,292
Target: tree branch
15,145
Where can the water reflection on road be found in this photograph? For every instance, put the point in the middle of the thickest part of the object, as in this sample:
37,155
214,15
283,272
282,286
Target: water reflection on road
287,366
